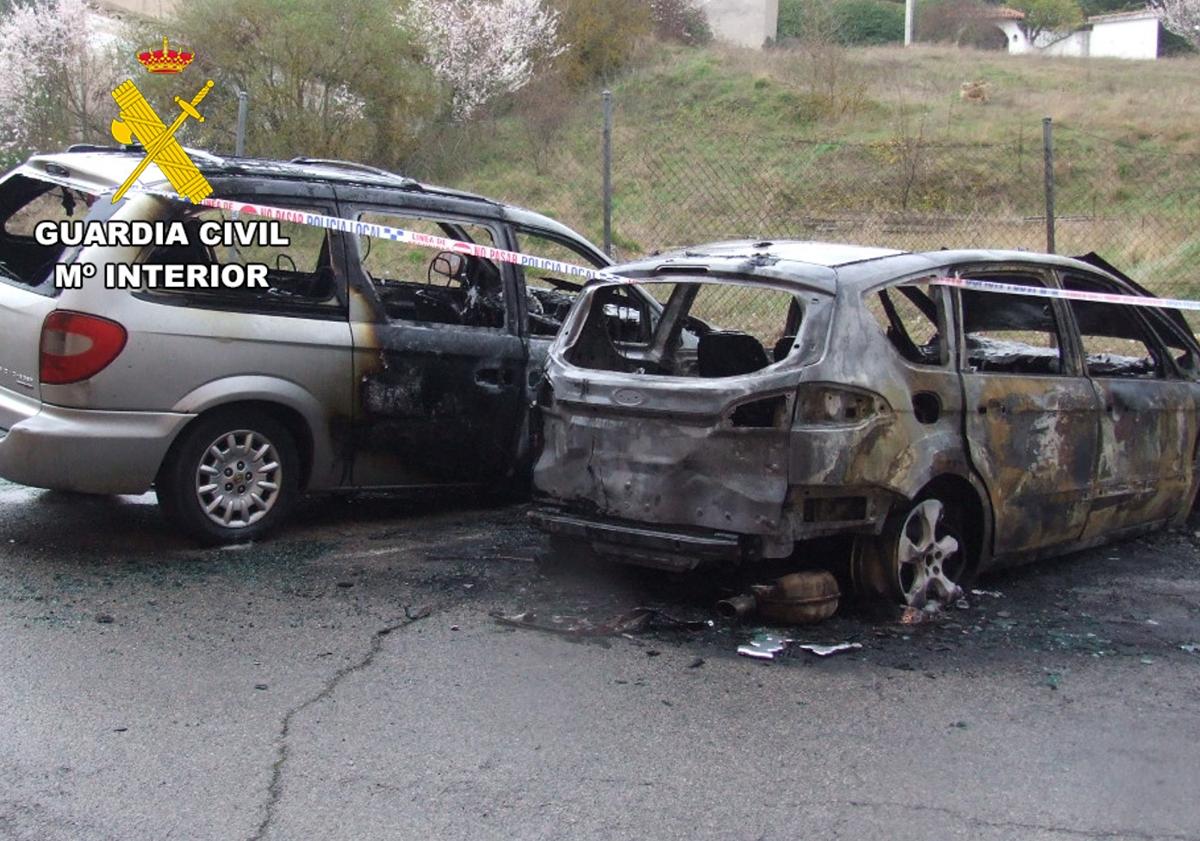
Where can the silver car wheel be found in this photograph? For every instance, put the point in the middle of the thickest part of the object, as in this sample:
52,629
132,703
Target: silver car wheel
238,479
927,556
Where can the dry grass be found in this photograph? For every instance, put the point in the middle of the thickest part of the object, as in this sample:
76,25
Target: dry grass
872,146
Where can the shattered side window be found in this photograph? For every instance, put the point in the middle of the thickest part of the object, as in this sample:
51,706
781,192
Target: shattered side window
1169,324
1116,340
1011,334
299,274
549,294
417,284
705,329
24,202
908,315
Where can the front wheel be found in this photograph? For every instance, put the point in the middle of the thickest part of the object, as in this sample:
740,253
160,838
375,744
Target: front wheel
920,555
232,477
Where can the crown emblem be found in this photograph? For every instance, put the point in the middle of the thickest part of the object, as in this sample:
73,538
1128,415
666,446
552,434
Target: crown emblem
166,60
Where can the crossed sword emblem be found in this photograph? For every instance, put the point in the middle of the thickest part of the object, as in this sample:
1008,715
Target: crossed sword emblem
138,119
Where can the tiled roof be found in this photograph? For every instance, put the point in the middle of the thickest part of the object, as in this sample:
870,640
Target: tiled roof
1004,13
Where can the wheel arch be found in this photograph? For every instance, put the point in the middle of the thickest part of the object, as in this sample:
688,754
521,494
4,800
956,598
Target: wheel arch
969,494
285,402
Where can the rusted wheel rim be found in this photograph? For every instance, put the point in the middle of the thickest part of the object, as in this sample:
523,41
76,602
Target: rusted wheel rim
928,556
238,479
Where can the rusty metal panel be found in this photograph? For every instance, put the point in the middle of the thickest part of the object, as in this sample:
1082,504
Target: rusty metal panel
1147,440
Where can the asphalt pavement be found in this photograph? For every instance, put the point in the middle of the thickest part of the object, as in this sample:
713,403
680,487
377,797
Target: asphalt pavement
350,680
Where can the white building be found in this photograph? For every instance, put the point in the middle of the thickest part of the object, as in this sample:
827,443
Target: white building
747,23
1121,35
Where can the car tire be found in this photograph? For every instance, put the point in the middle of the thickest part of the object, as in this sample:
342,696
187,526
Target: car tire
253,456
922,554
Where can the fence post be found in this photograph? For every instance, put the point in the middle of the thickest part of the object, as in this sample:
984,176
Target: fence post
1048,155
606,154
239,142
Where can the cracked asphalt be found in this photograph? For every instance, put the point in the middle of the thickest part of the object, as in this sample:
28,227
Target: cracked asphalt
348,680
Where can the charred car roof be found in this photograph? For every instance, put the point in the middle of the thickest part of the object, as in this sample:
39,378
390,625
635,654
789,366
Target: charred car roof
823,265
103,167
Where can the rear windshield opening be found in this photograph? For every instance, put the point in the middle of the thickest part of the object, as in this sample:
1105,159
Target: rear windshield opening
687,329
24,202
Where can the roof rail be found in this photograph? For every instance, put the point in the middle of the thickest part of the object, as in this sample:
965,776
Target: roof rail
93,147
201,153
333,163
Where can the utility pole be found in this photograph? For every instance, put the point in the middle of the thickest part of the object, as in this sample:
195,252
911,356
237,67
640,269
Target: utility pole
239,143
1048,179
606,163
910,13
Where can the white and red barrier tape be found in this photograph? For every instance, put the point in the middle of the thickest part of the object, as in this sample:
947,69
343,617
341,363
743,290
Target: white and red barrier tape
500,255
1066,294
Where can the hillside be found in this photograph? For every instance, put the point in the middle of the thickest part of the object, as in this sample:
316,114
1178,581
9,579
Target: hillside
871,144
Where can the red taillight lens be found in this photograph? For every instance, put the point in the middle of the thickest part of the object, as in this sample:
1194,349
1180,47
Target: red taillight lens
77,346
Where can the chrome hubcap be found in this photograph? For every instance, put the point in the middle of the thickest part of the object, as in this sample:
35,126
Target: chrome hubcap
927,556
238,479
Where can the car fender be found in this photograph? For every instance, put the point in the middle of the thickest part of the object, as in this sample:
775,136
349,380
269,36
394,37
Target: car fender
940,454
266,389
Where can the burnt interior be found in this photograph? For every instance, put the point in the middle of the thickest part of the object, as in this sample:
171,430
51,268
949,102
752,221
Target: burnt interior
626,333
24,202
909,319
1022,335
1011,334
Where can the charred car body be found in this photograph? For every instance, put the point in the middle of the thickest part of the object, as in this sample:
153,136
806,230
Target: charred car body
945,430
368,363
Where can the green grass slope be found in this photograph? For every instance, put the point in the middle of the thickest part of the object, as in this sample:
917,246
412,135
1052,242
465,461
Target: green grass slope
871,145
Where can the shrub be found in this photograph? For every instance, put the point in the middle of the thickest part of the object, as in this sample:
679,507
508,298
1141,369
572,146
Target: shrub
601,36
680,20
306,98
954,21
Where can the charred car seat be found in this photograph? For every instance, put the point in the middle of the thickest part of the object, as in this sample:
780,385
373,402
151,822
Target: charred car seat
728,354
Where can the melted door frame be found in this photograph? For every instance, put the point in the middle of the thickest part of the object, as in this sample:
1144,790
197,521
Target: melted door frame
1033,438
436,404
1147,434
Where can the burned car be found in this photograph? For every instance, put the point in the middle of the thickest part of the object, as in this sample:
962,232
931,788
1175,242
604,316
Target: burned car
790,391
366,363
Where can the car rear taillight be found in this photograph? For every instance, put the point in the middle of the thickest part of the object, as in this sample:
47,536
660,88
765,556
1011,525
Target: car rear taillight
76,346
821,404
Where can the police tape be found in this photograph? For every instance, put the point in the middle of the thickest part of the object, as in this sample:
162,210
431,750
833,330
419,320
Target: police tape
371,229
486,252
1065,294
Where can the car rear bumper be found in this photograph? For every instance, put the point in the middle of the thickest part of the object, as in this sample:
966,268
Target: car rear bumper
84,450
659,547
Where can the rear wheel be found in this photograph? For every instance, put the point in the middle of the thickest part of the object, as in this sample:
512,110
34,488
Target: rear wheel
922,554
233,476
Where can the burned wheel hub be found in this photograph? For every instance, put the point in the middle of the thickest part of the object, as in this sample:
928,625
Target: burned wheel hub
928,556
238,479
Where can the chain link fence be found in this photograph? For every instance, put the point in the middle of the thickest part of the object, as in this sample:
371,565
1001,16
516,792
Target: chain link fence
680,184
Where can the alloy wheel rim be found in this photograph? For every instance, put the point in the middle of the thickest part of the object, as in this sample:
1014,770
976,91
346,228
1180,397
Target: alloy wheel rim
928,556
238,479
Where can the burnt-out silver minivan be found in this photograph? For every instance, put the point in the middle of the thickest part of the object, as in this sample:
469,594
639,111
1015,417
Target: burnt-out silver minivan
367,362
788,391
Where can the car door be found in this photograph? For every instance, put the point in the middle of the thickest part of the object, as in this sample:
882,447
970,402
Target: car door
1031,417
439,362
1148,417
